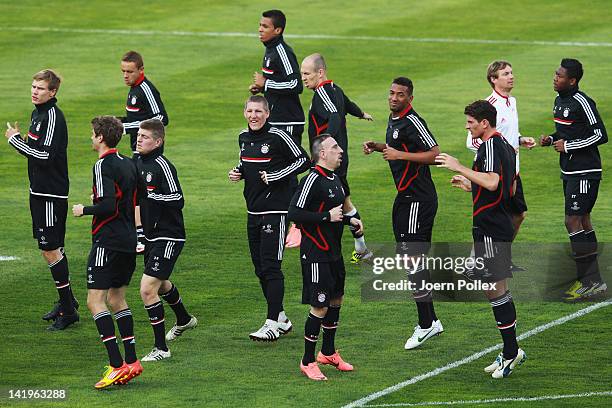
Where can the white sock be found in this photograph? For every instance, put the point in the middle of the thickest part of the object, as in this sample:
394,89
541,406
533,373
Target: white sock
360,245
282,317
351,213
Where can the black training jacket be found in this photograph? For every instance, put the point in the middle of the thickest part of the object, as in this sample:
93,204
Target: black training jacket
283,83
45,149
273,151
579,124
160,197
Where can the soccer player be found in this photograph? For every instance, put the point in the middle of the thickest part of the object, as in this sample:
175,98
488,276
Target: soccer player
578,131
269,159
143,102
501,79
279,80
492,183
112,258
161,210
410,148
328,114
45,148
317,208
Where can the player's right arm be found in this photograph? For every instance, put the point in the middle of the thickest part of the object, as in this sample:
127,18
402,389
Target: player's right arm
299,209
370,147
235,174
49,138
326,107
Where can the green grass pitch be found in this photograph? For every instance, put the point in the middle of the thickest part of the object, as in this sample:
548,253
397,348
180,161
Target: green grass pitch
203,81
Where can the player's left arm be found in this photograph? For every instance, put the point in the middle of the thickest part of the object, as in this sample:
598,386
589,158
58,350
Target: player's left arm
169,193
286,78
596,133
293,154
154,102
326,108
353,109
104,193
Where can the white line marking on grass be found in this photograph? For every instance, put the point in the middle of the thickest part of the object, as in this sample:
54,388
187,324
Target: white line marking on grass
362,401
8,258
492,401
308,36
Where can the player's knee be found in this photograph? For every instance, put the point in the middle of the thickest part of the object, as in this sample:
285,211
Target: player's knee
336,301
573,223
586,222
319,311
95,302
52,256
148,294
165,287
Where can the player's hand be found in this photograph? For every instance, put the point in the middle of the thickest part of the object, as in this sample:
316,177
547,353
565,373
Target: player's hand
559,145
11,130
234,175
368,147
545,140
77,210
444,160
390,153
528,142
254,89
461,182
367,116
335,214
264,176
358,225
259,80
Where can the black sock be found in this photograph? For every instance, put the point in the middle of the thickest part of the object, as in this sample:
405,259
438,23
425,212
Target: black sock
505,315
434,317
312,327
125,323
174,300
61,276
276,292
330,324
423,299
74,301
592,273
106,328
580,249
156,318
